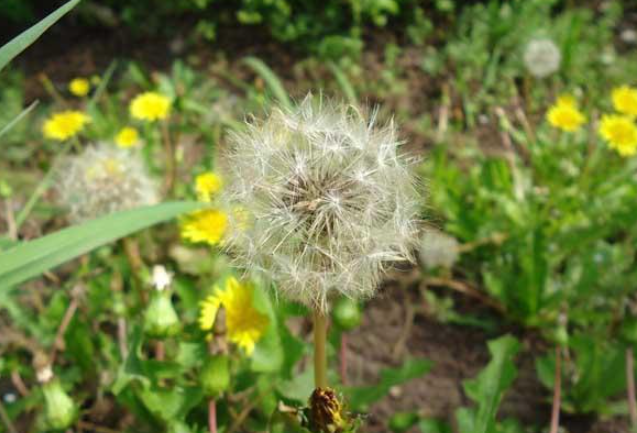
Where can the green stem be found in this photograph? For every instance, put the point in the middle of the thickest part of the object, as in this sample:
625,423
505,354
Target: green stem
320,353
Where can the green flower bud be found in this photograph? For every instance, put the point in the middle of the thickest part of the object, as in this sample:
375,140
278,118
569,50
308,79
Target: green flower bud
347,314
215,376
60,411
629,330
402,421
561,336
160,319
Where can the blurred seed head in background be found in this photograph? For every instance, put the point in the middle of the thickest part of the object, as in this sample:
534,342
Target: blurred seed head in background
103,179
542,57
438,250
327,201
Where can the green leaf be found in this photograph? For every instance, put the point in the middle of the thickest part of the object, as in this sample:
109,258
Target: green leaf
30,259
344,83
359,397
268,352
489,386
271,80
26,38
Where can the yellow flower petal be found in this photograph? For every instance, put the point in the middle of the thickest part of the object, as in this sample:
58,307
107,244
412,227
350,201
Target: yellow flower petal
64,125
150,106
565,116
79,86
625,100
206,185
208,225
620,132
127,137
208,313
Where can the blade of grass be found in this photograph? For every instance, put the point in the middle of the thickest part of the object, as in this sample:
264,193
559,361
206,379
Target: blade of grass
18,118
271,80
30,259
344,83
103,83
26,38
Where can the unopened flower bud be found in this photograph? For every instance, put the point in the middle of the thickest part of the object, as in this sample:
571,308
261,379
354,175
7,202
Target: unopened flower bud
215,376
60,411
346,314
160,319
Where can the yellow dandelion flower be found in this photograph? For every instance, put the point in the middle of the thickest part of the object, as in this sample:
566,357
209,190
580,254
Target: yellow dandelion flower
245,325
566,99
79,86
207,225
206,185
620,132
64,125
625,100
127,137
150,106
565,115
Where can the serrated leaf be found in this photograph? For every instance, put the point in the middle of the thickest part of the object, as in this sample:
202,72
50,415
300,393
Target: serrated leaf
489,386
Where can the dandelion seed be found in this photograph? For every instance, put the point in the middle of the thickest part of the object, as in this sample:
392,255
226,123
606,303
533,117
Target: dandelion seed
79,87
625,100
150,106
620,132
127,137
162,279
329,201
207,185
101,180
207,225
245,325
542,57
64,125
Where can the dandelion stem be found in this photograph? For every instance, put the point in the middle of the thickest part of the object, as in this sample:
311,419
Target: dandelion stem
320,353
171,165
630,378
343,358
212,416
557,391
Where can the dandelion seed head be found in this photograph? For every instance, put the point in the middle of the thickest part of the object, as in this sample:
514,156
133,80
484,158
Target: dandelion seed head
101,180
329,201
438,250
542,57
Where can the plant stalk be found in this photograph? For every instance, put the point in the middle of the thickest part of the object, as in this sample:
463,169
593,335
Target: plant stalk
212,416
171,160
557,393
630,379
320,352
343,358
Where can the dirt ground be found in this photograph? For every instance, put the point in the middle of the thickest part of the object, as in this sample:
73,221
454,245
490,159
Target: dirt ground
458,353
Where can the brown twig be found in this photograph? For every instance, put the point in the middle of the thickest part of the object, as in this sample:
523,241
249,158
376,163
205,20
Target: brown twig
58,343
465,289
400,345
212,416
19,384
557,391
96,428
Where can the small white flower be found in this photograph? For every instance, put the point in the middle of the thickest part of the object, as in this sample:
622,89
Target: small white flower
10,397
629,36
44,374
326,201
162,279
542,57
